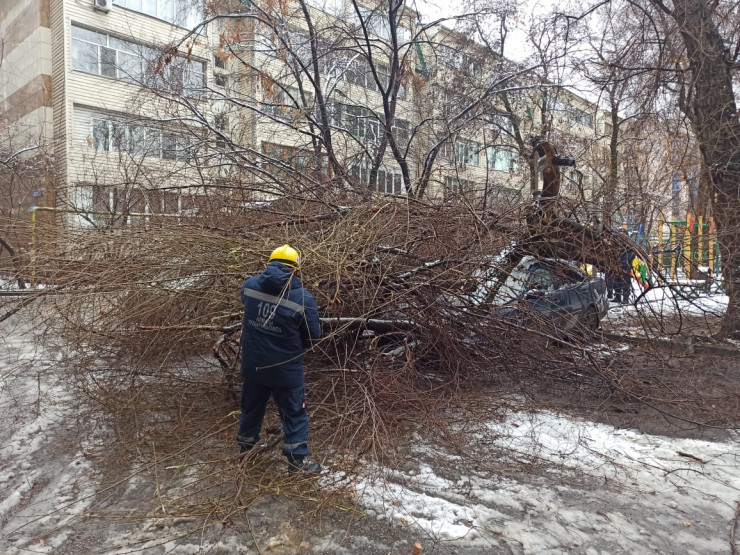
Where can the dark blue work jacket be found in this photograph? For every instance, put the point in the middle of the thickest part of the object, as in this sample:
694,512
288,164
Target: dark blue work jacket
280,321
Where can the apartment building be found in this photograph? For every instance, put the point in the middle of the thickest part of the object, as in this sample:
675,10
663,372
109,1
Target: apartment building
80,81
450,102
25,112
142,114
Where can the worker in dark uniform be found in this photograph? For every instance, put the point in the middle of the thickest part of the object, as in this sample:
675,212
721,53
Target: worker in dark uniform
623,280
281,321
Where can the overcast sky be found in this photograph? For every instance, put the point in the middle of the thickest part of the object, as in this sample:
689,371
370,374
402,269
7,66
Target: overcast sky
516,45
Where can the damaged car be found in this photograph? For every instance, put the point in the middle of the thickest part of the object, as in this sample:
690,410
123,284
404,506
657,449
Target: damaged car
552,295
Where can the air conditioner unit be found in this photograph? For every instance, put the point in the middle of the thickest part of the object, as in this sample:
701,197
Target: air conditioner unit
103,5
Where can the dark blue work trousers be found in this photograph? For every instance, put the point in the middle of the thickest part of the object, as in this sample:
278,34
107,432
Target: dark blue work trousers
293,415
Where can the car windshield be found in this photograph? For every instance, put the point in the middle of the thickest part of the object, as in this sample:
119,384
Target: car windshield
514,286
533,275
540,279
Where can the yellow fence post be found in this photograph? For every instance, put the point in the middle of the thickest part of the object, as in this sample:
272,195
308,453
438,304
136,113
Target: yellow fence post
659,257
710,247
33,245
700,241
687,248
674,253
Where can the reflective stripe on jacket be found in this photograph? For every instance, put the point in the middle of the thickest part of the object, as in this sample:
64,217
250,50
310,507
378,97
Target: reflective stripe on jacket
280,321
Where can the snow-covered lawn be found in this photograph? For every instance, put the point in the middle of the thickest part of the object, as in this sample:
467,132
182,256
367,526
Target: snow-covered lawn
593,489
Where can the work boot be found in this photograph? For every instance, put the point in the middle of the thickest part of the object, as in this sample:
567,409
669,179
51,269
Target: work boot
298,463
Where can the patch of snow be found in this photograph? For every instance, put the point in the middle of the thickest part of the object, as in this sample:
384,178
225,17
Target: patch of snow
40,489
639,492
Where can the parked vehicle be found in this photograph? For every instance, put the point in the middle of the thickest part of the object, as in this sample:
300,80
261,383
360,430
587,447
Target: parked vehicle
552,294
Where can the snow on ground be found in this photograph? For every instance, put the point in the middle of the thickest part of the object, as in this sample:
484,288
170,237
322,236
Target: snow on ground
664,301
601,490
44,483
658,308
538,482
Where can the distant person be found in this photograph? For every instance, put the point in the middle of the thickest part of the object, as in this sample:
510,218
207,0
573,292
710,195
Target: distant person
639,272
281,321
622,280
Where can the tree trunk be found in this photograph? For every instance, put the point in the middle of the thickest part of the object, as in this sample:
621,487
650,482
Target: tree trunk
713,114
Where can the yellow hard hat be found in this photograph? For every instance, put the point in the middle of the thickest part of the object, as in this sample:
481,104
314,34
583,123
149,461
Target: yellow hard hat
287,255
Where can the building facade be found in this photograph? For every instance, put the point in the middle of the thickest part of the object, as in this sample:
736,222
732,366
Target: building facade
143,110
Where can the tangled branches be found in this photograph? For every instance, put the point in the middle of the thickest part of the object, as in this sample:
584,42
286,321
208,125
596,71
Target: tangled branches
151,313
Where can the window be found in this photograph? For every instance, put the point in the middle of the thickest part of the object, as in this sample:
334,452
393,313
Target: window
272,38
101,134
169,146
388,182
542,279
502,159
450,56
384,76
221,123
219,79
361,173
277,157
377,23
184,13
445,151
562,109
107,206
273,102
363,123
456,185
454,105
194,78
285,103
500,122
558,107
101,54
138,140
467,152
84,197
358,73
579,116
183,76
301,47
332,64
401,131
504,194
335,111
459,60
282,41
219,60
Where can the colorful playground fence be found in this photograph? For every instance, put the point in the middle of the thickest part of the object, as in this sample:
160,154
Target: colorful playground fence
691,244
